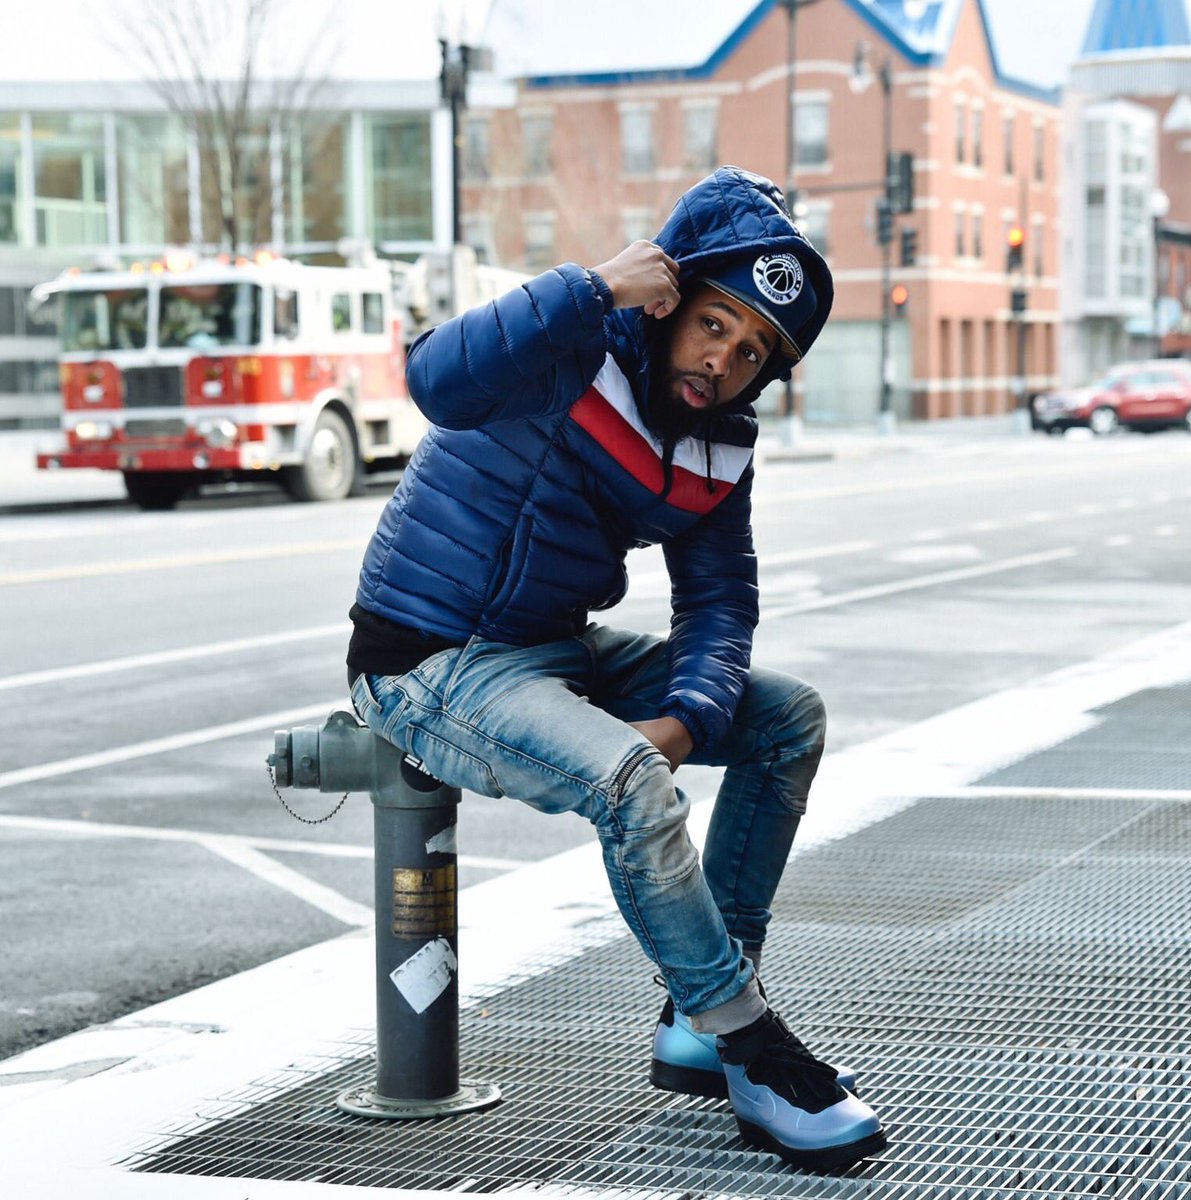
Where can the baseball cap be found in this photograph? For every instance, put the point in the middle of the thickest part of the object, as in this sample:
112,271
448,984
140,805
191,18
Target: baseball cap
776,288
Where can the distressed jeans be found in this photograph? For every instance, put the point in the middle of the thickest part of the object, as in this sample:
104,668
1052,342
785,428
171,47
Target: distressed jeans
549,725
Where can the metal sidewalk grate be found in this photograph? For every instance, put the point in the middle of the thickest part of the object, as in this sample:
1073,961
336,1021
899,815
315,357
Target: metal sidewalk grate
1140,742
1011,981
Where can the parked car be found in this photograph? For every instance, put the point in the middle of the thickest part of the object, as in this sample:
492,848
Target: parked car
1142,395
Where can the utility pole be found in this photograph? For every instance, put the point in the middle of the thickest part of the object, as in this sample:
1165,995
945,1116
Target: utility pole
792,418
886,422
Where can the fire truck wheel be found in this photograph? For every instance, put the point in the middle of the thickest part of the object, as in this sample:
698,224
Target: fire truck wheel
155,491
331,462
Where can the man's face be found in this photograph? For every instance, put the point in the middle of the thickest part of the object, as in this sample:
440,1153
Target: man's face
717,348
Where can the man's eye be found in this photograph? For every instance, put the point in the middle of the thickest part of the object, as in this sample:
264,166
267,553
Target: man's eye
752,355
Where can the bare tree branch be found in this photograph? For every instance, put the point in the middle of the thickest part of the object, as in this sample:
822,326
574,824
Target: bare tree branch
206,62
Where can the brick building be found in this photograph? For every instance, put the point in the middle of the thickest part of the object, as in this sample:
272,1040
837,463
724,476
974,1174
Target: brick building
583,162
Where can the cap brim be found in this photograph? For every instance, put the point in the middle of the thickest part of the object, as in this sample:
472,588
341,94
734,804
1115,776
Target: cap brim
786,346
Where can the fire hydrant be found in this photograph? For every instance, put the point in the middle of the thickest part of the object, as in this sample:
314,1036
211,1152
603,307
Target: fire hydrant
417,920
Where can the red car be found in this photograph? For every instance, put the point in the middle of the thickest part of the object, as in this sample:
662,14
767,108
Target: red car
1143,395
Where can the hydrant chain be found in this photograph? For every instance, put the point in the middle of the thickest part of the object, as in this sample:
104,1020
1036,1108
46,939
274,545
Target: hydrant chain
297,816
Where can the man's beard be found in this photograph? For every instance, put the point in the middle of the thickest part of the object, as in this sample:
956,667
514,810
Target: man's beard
670,416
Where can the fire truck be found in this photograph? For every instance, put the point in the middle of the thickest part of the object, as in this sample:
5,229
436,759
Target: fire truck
179,372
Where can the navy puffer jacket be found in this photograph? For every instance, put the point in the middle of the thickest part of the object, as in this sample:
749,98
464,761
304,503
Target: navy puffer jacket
514,516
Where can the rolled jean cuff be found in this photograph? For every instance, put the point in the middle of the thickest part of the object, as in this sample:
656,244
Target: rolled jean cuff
743,1009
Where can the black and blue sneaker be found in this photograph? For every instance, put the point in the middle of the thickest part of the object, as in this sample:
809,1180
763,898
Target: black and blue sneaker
689,1062
788,1102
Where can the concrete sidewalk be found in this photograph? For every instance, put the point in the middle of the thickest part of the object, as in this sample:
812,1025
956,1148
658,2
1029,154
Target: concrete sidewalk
995,942
23,486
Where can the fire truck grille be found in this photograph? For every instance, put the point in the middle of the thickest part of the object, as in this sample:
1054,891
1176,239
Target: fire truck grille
148,429
153,387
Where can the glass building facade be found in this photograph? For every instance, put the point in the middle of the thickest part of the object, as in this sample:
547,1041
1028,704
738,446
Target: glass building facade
82,181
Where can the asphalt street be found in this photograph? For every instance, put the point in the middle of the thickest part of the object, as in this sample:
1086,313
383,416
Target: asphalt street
146,658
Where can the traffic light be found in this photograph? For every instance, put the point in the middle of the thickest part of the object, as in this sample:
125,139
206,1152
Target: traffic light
884,223
899,182
1016,237
898,295
909,247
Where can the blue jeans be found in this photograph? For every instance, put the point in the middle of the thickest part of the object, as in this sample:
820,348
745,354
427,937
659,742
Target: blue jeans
548,725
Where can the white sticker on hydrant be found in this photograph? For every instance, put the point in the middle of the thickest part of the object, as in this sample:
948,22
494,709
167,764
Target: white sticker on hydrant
424,976
442,842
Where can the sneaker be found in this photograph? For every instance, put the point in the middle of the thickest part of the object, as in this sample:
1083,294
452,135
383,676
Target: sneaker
788,1102
689,1062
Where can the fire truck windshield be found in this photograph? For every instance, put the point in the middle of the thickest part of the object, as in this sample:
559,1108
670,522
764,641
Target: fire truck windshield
115,319
203,315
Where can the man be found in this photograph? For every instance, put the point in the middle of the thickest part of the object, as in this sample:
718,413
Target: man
582,415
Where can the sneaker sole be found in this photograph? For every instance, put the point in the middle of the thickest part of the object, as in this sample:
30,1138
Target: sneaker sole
830,1158
689,1081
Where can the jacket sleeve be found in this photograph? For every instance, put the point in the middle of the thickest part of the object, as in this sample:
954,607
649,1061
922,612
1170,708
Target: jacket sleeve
530,352
713,587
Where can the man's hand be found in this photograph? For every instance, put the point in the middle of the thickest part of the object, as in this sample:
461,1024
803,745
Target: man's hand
642,274
670,736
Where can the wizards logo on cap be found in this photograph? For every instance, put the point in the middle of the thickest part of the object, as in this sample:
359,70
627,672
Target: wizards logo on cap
778,277
776,288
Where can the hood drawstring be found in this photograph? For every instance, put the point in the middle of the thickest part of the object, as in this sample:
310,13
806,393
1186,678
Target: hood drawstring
707,451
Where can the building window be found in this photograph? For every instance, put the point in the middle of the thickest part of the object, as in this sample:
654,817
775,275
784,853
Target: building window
1095,211
539,241
961,131
70,181
814,227
1009,129
978,235
29,378
1135,239
153,181
1039,153
810,132
1038,239
637,224
19,319
398,184
699,137
537,132
960,231
315,168
252,204
978,137
636,140
476,147
10,177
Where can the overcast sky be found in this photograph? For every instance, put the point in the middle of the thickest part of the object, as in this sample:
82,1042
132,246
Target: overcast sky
380,39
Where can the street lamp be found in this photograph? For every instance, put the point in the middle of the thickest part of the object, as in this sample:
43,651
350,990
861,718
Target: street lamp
791,416
862,78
